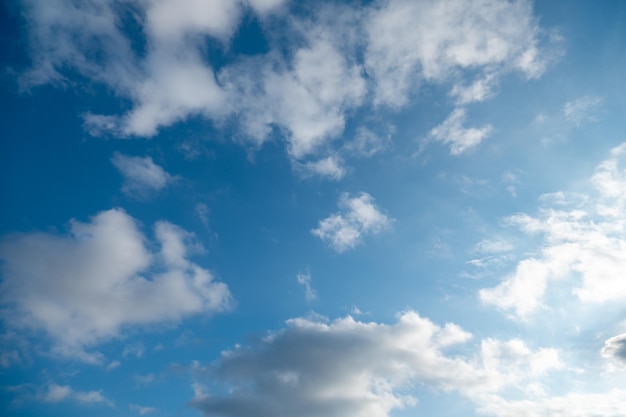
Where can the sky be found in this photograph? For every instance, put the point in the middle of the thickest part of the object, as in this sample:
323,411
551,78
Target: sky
279,208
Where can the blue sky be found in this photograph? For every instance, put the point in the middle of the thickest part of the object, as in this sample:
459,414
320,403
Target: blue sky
275,208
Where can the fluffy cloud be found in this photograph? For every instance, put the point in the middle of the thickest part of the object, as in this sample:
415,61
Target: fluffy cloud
615,349
358,216
452,132
583,236
413,41
87,286
306,97
142,177
352,368
54,393
306,86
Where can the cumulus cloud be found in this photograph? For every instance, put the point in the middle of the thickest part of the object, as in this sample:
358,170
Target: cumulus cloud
615,349
54,393
358,216
453,133
142,177
85,287
304,279
333,61
411,41
353,368
307,97
583,236
583,110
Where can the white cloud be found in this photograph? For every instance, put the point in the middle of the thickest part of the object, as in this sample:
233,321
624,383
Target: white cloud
307,97
410,42
358,216
142,410
202,211
330,167
352,368
145,379
493,246
87,286
479,90
452,132
512,179
583,110
583,236
615,349
576,404
330,63
367,143
54,393
304,279
142,177
136,349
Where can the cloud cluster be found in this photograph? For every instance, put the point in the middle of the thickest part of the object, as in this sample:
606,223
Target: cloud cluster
583,236
358,216
88,286
310,81
142,177
353,368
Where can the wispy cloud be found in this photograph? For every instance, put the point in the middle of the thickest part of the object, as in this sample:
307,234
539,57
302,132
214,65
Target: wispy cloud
330,167
54,393
136,349
142,410
358,216
142,177
304,279
583,110
452,132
